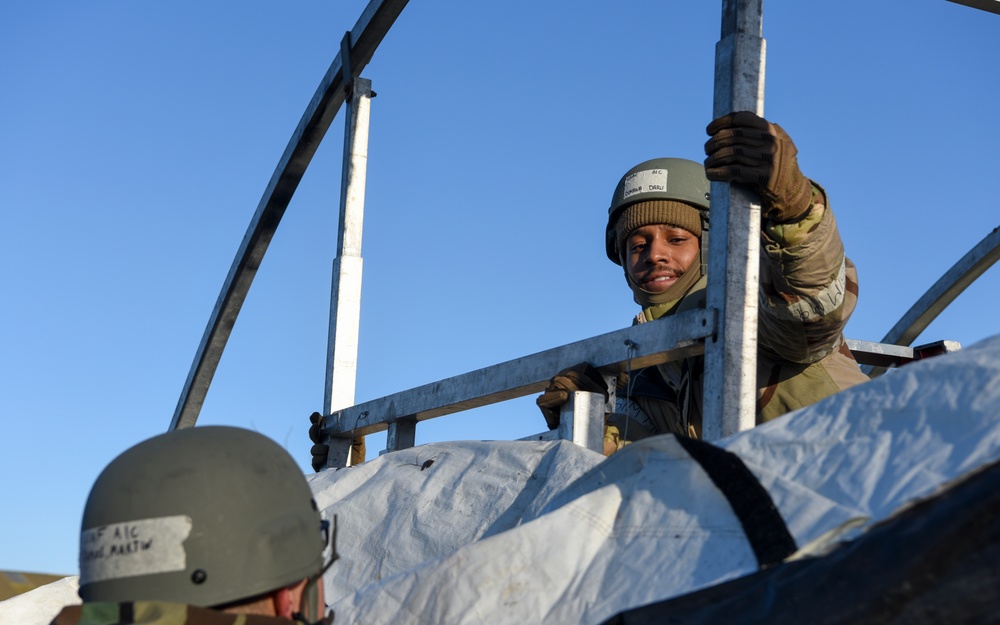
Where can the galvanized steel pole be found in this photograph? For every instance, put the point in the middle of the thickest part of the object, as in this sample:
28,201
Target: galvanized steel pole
367,34
734,241
345,295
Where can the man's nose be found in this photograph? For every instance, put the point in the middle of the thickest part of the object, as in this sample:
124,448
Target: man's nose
658,251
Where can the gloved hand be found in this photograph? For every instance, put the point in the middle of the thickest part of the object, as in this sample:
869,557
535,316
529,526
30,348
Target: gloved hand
613,440
581,377
747,149
319,450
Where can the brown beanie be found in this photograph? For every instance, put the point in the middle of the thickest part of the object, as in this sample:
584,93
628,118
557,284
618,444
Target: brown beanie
669,212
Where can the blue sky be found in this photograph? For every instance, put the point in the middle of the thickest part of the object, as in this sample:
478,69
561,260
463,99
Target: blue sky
138,138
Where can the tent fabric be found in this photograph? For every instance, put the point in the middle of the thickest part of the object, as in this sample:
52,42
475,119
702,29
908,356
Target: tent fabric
935,561
762,524
648,524
582,557
402,509
865,452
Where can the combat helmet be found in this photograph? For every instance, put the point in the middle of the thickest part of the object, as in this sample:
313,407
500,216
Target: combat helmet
671,179
203,516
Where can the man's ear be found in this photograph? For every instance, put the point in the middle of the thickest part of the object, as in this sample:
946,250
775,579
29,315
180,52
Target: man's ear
287,600
282,599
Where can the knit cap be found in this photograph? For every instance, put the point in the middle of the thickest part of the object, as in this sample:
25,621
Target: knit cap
669,212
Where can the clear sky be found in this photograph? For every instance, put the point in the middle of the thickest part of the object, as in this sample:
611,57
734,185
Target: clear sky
136,139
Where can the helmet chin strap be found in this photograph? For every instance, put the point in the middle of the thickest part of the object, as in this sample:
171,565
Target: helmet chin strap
309,604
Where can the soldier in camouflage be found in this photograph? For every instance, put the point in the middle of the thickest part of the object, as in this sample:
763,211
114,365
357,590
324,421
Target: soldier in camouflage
202,526
808,288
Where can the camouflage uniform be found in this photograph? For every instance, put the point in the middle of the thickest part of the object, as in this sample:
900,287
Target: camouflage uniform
155,613
808,290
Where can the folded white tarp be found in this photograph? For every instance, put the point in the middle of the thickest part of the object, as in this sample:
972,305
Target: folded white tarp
649,523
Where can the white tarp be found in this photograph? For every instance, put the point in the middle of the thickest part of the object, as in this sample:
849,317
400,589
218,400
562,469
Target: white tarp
647,524
404,508
40,606
548,532
648,513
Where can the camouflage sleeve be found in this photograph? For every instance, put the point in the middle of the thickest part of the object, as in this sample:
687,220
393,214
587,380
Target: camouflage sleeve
70,615
808,288
153,613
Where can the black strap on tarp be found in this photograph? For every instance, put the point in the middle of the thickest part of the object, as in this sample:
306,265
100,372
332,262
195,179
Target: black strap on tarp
934,561
763,525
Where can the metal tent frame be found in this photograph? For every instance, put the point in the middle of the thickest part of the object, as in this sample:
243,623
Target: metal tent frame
725,332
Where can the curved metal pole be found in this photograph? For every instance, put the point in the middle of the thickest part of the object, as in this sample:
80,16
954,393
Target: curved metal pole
942,293
367,34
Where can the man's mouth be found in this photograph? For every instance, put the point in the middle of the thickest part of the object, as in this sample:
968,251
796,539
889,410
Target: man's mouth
660,281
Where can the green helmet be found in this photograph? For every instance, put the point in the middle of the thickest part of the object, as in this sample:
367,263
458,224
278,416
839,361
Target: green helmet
203,516
657,179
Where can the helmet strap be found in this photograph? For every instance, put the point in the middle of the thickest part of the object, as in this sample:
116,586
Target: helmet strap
309,605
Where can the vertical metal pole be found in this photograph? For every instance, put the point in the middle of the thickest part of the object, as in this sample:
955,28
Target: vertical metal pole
345,297
581,420
402,434
734,242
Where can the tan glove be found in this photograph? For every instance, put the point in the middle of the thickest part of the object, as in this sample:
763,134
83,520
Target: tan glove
747,149
358,450
320,449
613,440
581,377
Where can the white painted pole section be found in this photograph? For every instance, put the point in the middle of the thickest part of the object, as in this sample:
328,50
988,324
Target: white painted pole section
345,296
734,239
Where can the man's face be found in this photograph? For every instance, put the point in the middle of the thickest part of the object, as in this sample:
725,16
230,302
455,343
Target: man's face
656,256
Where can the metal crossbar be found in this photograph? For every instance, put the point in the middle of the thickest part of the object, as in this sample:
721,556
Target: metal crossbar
670,338
643,345
584,414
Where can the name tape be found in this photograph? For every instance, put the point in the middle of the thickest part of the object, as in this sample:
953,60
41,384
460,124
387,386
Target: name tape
133,548
645,181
